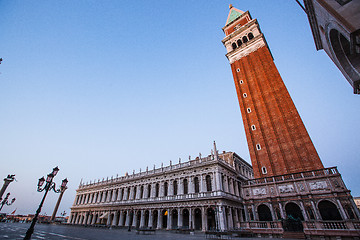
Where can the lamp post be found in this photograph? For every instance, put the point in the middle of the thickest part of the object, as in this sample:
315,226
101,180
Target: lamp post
5,201
7,181
62,190
50,185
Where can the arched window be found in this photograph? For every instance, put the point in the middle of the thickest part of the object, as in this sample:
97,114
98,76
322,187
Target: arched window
157,190
149,191
234,46
251,36
208,183
245,39
175,185
185,183
264,213
135,190
122,194
196,184
293,210
329,211
165,189
141,192
128,193
239,42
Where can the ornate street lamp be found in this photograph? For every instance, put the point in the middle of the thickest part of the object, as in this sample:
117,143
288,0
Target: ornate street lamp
50,185
62,190
5,201
7,181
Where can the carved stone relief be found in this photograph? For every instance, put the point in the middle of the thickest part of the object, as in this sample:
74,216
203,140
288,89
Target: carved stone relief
320,185
259,191
286,188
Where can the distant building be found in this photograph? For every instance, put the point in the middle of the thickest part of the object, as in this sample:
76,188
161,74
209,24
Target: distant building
335,25
357,202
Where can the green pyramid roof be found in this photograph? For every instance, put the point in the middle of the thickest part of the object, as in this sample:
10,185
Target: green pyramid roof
234,14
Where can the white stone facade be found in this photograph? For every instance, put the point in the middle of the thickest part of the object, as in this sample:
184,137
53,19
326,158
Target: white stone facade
201,194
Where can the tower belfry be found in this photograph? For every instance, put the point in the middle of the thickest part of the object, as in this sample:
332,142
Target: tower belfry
277,139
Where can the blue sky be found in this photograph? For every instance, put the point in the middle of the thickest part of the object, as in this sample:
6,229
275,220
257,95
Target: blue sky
100,88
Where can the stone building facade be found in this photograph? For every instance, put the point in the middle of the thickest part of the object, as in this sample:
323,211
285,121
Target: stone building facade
201,194
335,25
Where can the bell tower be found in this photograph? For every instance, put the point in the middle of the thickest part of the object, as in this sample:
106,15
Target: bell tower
277,138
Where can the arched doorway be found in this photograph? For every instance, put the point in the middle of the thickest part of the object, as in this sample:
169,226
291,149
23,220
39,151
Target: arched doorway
124,219
155,219
131,216
186,216
138,219
164,218
264,213
329,211
293,211
174,219
198,222
211,219
146,222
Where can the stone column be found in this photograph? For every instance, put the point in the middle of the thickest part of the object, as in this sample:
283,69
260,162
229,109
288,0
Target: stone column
142,219
159,220
192,219
356,210
203,219
226,185
127,223
191,186
169,220
121,220
316,213
161,189
153,190
256,218
202,187
84,218
108,221
342,212
282,213
109,196
180,218
181,186
236,187
89,219
304,211
171,188
218,181
103,196
113,197
230,219
133,224
115,219
93,219
150,223
146,191
246,213
120,195
126,196
236,217
273,215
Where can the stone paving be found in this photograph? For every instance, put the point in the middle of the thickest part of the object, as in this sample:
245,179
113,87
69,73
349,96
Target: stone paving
62,232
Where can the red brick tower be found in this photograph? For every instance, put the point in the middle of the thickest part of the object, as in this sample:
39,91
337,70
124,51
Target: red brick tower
277,139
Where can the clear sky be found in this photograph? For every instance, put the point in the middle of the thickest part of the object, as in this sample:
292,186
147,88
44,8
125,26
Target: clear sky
100,88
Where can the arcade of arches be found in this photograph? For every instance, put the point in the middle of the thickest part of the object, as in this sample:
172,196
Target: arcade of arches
197,218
